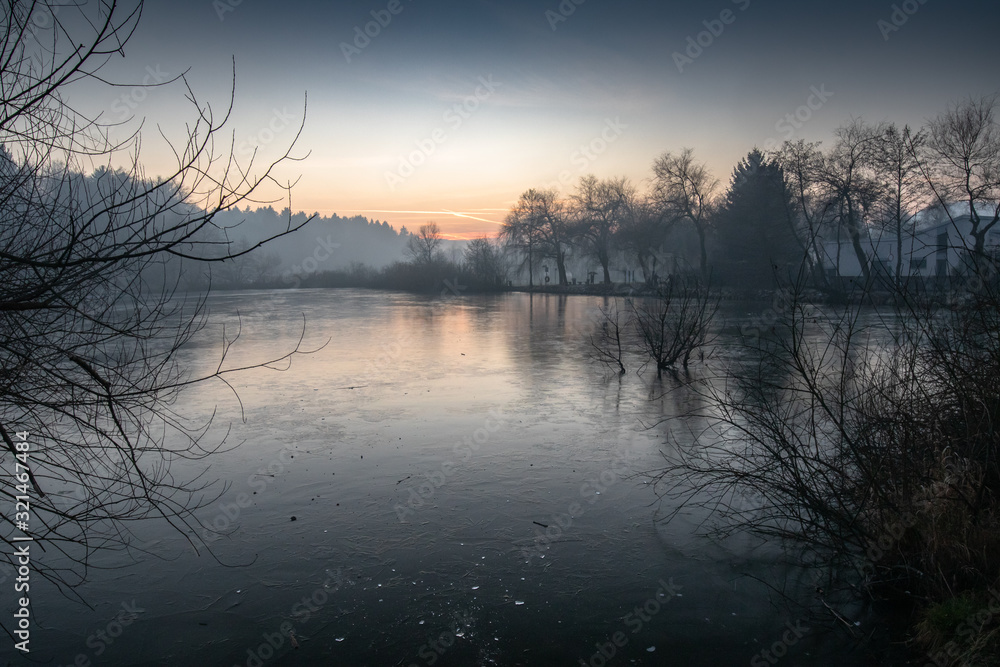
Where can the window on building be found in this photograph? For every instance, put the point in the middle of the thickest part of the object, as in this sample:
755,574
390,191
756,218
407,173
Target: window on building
918,264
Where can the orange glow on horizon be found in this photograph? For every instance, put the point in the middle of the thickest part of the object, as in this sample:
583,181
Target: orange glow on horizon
441,212
466,237
447,231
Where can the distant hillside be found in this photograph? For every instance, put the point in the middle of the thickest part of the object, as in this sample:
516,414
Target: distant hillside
325,244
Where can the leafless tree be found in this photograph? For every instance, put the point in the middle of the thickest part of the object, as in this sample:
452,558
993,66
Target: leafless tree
664,328
643,234
812,205
684,190
90,324
540,218
675,323
962,163
610,342
424,247
905,194
520,233
486,261
848,172
866,446
600,208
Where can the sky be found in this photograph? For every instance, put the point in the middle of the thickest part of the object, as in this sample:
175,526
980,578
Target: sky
418,110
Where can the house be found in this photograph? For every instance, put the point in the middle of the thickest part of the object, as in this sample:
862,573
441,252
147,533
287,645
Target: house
931,249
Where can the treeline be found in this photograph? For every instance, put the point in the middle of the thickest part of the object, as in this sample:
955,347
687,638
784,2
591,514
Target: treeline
227,239
789,214
771,221
228,250
483,266
326,243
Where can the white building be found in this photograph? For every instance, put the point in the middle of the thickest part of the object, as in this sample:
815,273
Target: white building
929,250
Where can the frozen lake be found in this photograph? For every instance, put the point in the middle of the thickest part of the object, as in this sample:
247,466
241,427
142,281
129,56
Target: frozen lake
467,488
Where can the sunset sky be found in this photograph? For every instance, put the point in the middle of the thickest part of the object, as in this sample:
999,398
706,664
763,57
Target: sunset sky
453,109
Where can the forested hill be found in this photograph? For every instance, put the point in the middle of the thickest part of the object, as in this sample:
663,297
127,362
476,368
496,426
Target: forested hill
331,242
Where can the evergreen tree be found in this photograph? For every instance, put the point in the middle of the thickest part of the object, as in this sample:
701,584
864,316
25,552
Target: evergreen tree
754,232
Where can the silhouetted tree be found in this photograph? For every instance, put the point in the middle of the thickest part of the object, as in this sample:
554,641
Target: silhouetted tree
683,190
848,172
643,233
754,231
545,214
600,208
673,324
90,326
905,193
962,163
812,205
867,448
610,342
484,259
520,232
424,247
